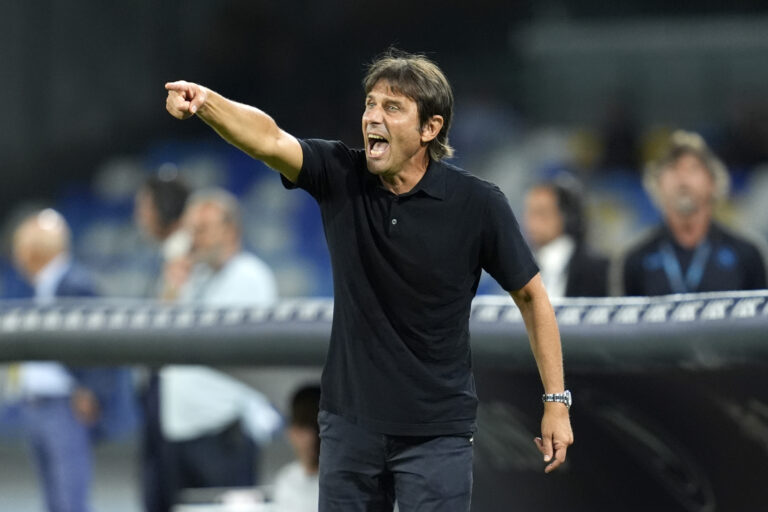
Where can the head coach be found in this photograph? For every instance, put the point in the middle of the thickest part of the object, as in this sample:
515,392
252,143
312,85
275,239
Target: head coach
408,236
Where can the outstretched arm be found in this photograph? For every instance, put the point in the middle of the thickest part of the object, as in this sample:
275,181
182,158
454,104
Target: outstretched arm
539,318
245,127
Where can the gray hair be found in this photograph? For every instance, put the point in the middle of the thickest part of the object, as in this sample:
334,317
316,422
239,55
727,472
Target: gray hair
226,201
683,143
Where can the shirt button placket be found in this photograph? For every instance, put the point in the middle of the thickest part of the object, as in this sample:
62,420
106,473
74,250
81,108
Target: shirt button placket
393,215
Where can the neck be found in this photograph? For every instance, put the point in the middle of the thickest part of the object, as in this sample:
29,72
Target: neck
689,232
224,257
403,181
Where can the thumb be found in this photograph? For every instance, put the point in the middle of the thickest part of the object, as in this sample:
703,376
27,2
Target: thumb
197,100
546,448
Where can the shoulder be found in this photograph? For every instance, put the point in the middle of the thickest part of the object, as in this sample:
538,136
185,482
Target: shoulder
460,182
741,240
461,177
77,281
647,241
747,245
248,265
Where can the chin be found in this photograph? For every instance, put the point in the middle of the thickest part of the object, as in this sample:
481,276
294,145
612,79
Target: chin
375,167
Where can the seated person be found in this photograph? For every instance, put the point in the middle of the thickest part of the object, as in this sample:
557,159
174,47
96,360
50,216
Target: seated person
296,484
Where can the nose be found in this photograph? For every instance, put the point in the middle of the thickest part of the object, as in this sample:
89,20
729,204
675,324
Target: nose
372,114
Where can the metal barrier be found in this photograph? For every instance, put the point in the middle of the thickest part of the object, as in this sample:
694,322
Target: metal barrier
611,334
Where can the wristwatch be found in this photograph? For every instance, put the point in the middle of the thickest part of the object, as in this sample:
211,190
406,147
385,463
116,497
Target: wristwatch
563,398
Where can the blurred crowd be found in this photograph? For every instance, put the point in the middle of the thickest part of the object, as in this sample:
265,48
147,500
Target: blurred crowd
201,224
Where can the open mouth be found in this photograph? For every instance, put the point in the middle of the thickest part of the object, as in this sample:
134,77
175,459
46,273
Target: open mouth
377,145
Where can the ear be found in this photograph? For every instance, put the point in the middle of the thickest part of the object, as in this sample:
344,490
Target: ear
431,128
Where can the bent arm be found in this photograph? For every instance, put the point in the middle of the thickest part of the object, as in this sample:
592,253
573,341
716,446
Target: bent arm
243,126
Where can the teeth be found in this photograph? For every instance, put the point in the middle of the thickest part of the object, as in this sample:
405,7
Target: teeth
375,137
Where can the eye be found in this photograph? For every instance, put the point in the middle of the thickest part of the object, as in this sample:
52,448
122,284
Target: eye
370,104
393,108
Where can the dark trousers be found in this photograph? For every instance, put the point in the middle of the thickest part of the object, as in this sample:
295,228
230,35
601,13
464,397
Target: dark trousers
155,453
225,459
62,452
367,472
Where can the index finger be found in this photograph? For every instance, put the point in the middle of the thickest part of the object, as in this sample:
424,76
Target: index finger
176,86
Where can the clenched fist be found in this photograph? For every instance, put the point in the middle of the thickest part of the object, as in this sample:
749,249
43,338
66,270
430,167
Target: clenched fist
184,98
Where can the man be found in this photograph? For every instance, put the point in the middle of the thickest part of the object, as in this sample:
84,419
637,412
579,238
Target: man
158,208
210,421
296,484
690,252
64,408
216,270
159,204
408,237
554,223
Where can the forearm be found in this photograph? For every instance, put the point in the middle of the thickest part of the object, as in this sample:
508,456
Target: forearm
243,126
543,334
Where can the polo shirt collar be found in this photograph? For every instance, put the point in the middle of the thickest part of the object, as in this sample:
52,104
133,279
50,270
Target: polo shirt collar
432,183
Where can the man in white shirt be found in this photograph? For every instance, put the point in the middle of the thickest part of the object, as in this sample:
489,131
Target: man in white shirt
211,420
556,229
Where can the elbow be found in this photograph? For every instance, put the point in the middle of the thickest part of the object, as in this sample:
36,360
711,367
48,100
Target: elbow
526,296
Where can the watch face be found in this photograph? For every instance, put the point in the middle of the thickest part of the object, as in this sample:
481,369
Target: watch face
568,398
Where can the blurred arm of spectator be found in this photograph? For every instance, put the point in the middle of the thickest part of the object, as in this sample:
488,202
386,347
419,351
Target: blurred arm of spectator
86,406
176,273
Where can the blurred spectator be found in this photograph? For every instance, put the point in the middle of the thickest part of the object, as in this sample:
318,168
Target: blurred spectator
211,421
217,270
158,208
296,485
159,205
690,252
556,228
65,408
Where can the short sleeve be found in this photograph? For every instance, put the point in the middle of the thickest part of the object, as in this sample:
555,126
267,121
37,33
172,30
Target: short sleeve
324,166
505,255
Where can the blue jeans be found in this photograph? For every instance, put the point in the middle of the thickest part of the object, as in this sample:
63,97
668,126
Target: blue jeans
62,452
367,472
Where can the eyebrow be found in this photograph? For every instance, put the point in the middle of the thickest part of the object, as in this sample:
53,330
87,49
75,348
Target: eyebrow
385,98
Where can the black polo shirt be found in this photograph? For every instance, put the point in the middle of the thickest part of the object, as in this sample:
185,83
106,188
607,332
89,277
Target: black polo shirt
405,270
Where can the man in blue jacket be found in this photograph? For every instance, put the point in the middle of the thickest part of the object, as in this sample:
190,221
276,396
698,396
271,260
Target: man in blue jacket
64,408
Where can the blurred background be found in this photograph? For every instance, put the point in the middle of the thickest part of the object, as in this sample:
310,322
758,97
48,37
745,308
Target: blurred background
586,86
